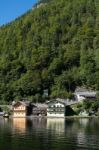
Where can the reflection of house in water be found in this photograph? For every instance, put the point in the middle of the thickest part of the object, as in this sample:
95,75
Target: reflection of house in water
19,124
22,125
56,125
39,123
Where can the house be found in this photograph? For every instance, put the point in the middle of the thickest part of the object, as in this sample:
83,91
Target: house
39,109
56,108
81,93
22,109
59,108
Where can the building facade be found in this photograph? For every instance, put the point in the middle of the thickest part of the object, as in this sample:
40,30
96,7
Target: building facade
19,109
80,96
56,109
39,109
22,109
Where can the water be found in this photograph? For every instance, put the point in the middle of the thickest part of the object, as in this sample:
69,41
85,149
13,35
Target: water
49,134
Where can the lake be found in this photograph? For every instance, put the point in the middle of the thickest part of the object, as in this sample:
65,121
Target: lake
49,134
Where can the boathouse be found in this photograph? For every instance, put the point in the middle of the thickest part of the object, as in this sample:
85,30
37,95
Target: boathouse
56,109
39,109
22,109
59,108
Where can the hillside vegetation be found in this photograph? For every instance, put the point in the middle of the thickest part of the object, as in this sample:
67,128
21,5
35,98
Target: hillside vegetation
54,46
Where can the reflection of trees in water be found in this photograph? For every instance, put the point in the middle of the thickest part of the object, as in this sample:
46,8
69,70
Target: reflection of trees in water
88,135
5,131
4,124
92,126
49,134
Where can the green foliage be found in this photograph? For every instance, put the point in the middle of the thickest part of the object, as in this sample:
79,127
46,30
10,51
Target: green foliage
95,105
78,108
97,95
87,104
5,108
54,46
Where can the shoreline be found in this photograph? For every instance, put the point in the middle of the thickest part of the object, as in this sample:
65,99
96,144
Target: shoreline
45,117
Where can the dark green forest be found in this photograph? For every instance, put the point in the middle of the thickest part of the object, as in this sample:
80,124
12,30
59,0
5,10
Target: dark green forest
53,46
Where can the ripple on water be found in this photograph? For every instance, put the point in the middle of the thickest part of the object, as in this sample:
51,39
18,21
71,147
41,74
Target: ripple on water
44,134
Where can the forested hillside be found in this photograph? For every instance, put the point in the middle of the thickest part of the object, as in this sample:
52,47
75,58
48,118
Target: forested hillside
54,46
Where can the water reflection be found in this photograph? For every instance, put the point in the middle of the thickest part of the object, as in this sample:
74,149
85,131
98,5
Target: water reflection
19,125
84,122
56,125
39,123
49,134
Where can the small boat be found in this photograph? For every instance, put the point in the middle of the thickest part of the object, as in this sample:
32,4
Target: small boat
6,115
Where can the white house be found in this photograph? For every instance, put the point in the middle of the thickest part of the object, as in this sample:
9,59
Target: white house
56,108
82,95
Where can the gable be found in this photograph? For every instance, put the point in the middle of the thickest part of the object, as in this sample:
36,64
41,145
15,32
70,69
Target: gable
19,104
56,104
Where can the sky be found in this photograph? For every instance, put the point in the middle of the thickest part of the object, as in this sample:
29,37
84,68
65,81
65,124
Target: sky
11,9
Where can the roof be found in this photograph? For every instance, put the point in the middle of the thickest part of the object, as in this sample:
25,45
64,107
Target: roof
66,102
21,102
40,105
63,101
87,93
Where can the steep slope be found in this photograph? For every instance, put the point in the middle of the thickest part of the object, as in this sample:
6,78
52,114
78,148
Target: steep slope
54,46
